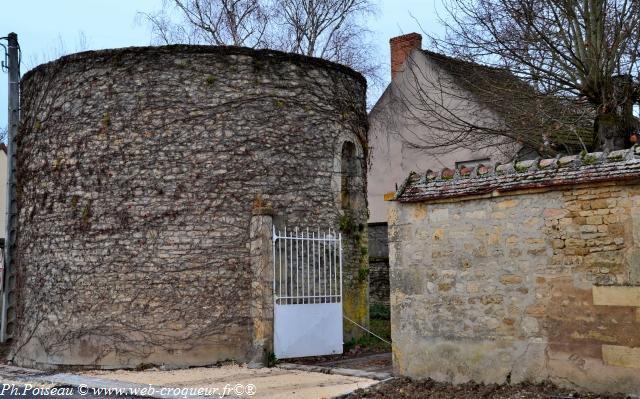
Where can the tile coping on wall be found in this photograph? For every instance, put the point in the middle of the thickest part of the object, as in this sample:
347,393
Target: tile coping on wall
521,175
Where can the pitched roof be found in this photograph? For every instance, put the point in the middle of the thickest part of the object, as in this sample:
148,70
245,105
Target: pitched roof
563,123
485,180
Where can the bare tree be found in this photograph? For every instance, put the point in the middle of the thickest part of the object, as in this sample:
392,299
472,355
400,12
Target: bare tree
329,29
584,50
441,103
216,22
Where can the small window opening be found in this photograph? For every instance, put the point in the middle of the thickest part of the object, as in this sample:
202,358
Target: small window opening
348,175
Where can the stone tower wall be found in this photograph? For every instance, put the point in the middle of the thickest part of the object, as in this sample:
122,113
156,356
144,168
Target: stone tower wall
138,170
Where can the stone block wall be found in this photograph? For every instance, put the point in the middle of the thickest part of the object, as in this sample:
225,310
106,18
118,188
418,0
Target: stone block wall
537,278
378,240
138,170
378,265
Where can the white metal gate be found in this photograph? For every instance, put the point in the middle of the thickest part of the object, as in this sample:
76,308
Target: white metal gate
307,288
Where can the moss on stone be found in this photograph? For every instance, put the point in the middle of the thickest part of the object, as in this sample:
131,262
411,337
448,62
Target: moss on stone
363,273
589,160
74,201
86,214
106,119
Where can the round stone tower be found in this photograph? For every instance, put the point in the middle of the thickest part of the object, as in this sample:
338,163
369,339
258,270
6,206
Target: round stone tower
137,173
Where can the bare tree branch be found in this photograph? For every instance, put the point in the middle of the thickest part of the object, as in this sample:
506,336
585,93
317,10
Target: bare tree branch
568,48
216,22
330,29
57,49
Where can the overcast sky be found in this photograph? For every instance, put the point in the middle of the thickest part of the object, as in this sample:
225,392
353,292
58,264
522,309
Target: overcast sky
47,28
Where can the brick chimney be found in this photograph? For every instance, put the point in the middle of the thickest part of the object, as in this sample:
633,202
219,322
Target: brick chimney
401,47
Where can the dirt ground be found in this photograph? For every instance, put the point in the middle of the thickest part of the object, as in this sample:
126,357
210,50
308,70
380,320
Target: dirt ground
374,362
271,383
353,352
404,388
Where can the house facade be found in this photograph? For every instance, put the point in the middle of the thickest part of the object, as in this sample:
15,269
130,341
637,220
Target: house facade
439,111
396,133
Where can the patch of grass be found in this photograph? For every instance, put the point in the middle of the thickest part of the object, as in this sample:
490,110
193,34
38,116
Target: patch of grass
366,342
381,327
378,311
378,325
272,360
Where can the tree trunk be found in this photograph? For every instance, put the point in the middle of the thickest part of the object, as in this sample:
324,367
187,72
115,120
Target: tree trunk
615,121
610,132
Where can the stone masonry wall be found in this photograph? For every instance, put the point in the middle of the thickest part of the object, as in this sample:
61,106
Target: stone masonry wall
138,170
523,285
378,265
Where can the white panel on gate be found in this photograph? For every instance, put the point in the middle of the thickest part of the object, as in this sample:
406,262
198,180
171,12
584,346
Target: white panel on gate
308,330
307,293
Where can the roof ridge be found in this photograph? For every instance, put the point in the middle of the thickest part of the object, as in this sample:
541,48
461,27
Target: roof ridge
518,102
533,165
462,181
471,63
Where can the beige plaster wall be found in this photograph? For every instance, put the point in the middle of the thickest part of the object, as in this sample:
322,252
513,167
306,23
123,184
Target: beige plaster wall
393,127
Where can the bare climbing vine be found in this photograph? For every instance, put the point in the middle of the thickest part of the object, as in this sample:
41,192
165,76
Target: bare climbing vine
137,170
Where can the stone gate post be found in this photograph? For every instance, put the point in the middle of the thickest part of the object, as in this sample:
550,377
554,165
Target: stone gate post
261,284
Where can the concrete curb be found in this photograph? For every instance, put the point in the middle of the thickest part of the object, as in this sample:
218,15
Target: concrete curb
336,370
